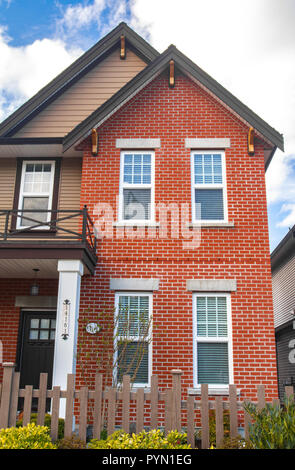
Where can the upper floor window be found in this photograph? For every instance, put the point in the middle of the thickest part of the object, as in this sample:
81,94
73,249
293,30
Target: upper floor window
136,198
36,190
208,186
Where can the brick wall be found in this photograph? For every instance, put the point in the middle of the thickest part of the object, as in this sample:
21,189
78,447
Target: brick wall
240,252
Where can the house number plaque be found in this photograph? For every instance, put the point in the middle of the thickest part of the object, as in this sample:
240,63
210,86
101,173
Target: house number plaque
92,328
65,319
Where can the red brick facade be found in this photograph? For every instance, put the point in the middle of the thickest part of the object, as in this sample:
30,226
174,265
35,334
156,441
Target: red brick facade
238,252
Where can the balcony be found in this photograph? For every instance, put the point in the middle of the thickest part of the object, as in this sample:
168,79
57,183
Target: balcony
47,237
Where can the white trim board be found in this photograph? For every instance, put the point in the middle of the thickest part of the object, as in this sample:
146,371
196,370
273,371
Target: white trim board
207,143
134,284
211,285
138,143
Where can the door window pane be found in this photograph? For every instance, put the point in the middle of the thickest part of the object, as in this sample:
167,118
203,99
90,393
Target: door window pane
44,334
33,334
35,323
45,323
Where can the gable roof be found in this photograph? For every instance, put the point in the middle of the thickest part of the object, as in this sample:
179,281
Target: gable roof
157,66
75,71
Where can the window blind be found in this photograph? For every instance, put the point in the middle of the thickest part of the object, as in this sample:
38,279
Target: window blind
211,204
133,360
212,363
137,203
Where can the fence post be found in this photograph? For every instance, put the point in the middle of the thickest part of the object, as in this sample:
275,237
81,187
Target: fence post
6,393
126,404
233,411
176,406
205,416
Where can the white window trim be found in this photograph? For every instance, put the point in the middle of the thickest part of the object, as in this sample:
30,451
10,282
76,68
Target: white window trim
222,186
149,336
22,195
123,186
213,387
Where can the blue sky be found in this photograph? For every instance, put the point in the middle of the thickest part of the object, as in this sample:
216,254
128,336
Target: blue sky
249,47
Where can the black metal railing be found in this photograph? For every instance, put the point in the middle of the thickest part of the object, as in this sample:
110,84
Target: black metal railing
22,223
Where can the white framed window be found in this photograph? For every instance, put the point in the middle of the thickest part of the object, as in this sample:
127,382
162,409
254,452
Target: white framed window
137,187
209,198
133,329
36,190
213,363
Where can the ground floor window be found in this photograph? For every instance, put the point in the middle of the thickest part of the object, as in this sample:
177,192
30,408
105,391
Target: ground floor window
212,340
133,337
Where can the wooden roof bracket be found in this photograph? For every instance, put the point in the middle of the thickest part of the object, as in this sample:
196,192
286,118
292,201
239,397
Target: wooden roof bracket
94,142
251,149
171,74
123,48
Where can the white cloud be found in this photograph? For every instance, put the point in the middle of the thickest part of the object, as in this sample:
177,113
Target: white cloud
288,220
78,16
76,19
24,70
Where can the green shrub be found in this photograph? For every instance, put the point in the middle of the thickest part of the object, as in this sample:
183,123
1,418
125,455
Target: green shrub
27,437
71,443
234,443
104,434
47,422
154,439
273,427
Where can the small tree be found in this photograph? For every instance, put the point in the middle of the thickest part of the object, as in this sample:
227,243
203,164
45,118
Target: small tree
118,349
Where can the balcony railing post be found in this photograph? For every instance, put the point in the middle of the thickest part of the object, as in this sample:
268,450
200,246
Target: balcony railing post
84,226
6,225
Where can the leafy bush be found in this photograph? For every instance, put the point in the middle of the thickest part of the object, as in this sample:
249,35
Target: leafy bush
273,427
235,443
47,422
71,443
27,437
154,439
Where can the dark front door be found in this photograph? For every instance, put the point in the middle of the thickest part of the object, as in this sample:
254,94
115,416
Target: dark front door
37,349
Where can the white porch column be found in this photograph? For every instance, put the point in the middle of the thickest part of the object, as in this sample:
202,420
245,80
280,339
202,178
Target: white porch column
68,301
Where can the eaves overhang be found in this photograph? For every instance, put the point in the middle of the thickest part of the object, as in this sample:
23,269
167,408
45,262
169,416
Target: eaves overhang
35,147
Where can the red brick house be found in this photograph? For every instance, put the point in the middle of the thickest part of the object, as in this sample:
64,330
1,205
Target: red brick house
134,182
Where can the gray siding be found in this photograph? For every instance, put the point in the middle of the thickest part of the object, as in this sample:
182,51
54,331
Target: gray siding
283,282
286,370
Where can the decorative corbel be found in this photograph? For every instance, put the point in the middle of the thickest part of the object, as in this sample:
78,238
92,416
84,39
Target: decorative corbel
94,142
171,74
251,149
123,48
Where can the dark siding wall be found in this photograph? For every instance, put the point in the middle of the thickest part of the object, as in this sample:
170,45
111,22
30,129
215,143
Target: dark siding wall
286,370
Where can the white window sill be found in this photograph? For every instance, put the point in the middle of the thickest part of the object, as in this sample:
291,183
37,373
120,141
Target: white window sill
134,223
211,224
212,391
